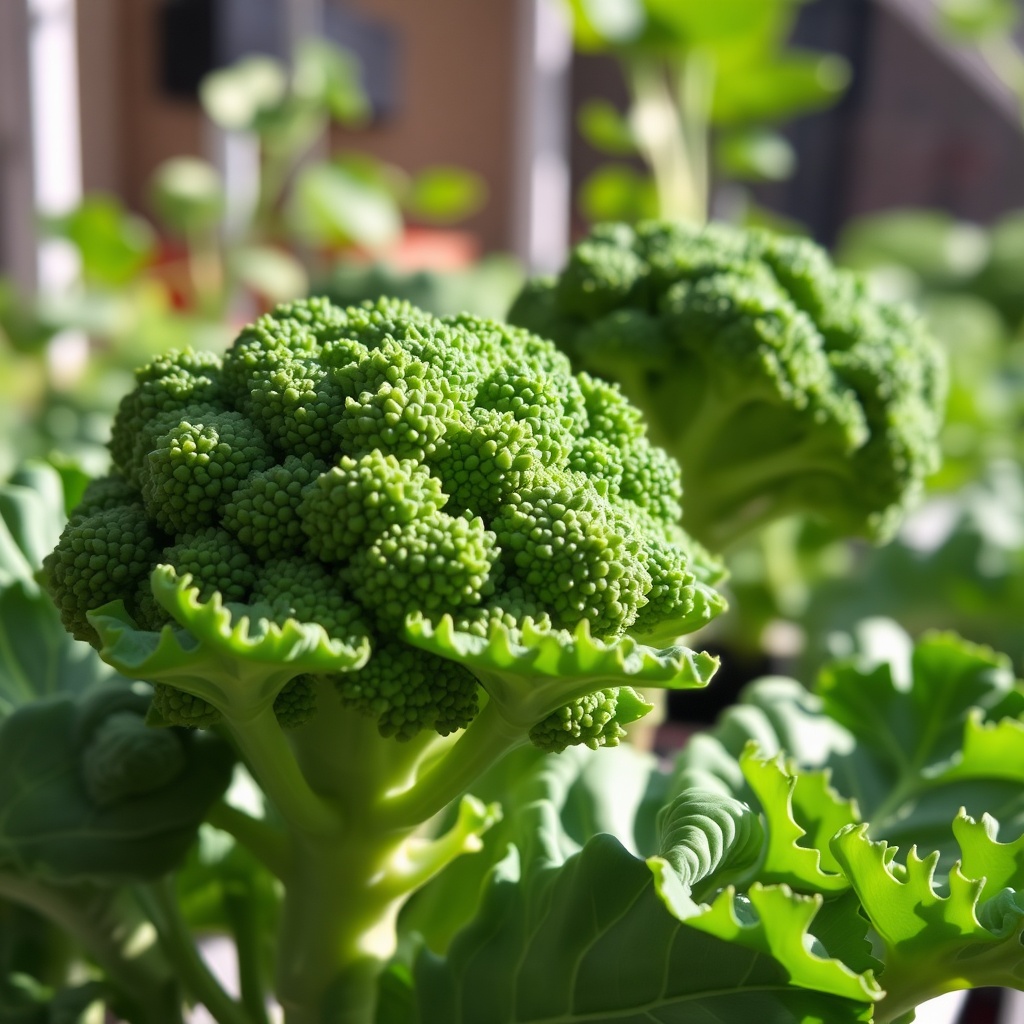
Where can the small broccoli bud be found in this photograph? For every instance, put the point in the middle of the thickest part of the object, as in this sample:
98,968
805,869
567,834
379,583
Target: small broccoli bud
263,512
576,555
294,588
194,468
126,758
99,558
106,492
296,703
164,386
407,691
172,706
433,564
217,563
358,499
596,720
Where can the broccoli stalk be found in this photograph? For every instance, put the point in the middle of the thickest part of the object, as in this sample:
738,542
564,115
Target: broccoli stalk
778,384
378,551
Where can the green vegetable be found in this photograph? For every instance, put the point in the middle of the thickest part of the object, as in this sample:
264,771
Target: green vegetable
772,377
816,856
378,550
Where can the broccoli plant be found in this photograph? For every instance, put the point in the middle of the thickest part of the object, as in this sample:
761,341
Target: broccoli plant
405,570
779,385
377,551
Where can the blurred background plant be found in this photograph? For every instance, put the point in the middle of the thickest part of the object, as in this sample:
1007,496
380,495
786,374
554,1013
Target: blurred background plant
708,86
325,218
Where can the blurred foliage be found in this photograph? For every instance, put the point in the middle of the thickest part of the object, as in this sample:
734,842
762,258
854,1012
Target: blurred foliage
208,261
708,85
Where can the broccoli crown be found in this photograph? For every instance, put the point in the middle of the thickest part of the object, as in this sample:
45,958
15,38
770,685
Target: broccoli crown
778,383
352,468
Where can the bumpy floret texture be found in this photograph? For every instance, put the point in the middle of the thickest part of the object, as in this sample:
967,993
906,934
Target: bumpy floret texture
594,720
777,382
350,468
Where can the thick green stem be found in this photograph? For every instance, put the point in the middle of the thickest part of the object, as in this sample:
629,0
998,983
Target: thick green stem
107,925
487,739
274,766
338,925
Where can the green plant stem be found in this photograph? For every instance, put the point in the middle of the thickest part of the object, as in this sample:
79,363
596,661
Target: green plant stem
272,761
160,903
263,841
487,739
669,115
105,923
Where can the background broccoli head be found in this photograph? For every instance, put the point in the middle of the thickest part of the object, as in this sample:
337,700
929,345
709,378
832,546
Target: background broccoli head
775,380
355,468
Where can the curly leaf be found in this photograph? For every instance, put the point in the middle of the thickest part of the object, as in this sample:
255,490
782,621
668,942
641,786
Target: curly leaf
706,841
51,828
909,748
531,671
999,865
232,656
791,855
933,943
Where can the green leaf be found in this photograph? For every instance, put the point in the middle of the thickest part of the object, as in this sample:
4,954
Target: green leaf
187,195
791,856
532,671
600,24
617,192
331,78
601,124
444,194
932,244
38,657
934,943
978,19
272,273
755,155
235,97
232,656
590,939
920,724
999,865
780,929
779,88
50,827
336,205
114,245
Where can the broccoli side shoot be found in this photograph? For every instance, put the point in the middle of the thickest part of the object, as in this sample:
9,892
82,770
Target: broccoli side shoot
776,381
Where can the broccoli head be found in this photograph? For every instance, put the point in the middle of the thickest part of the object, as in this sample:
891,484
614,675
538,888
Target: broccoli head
414,507
779,385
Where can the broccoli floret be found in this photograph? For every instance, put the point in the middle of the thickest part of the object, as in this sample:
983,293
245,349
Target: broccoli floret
345,472
296,703
777,383
100,557
263,512
595,720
